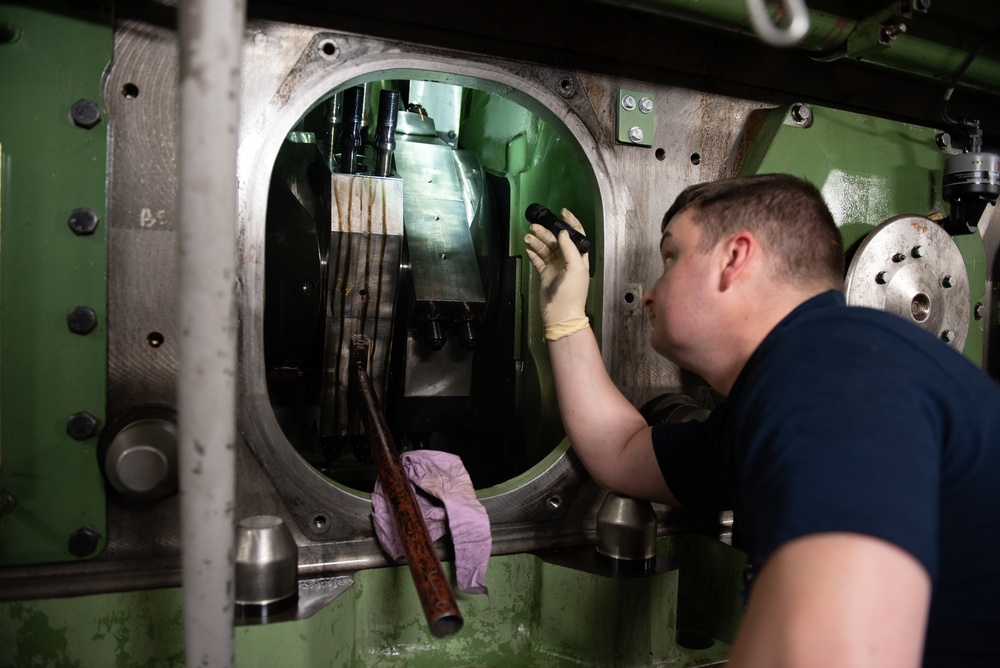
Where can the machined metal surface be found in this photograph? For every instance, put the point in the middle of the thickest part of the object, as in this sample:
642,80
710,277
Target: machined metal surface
910,266
437,220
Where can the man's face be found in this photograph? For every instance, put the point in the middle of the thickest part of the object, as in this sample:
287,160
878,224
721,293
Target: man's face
679,302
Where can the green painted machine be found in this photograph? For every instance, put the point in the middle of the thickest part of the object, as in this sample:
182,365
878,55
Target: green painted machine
607,108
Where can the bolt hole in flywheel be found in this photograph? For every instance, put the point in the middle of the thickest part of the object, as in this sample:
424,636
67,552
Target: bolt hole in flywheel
910,266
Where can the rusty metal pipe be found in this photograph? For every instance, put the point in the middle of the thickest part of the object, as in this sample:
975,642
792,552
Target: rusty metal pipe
433,589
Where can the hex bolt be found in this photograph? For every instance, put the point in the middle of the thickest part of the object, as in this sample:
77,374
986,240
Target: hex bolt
554,503
948,336
801,113
948,282
82,425
82,320
918,251
85,114
645,105
83,542
979,312
628,102
882,277
82,221
898,257
943,140
635,133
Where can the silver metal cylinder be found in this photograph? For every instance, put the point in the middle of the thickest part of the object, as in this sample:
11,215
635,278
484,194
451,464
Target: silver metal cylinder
267,560
141,462
626,530
211,39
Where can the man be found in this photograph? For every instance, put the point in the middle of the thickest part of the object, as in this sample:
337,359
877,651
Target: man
861,456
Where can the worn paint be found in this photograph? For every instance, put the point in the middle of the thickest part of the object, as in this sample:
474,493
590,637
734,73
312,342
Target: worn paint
537,614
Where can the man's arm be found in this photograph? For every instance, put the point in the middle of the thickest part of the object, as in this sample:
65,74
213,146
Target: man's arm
835,599
606,431
609,435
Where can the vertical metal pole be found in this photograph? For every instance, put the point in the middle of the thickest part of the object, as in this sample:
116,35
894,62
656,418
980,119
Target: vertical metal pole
211,38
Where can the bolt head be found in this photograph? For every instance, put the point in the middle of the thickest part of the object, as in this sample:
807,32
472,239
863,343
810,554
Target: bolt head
801,113
82,221
898,257
85,114
979,312
943,140
83,542
635,133
918,251
628,102
947,336
82,320
948,282
82,425
882,277
645,105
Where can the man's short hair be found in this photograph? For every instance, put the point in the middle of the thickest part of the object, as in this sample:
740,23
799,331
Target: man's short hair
786,214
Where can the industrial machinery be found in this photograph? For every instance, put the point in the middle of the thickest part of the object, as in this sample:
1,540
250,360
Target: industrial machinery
385,157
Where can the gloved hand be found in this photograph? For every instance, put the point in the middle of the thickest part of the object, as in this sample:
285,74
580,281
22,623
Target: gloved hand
565,276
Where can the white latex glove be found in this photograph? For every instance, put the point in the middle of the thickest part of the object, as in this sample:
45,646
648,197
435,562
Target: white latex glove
565,277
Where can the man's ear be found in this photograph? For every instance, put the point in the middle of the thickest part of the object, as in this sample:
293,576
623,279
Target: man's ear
738,253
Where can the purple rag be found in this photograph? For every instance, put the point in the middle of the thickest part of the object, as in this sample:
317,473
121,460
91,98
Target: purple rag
447,500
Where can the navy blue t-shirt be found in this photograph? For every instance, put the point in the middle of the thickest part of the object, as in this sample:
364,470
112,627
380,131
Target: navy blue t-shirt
851,419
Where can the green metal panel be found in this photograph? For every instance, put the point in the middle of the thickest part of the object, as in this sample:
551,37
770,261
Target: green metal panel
536,614
540,166
50,59
868,169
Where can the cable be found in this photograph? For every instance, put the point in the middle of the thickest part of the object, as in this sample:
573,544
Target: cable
958,75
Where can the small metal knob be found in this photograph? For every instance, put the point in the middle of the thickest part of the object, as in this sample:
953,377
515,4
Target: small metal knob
141,461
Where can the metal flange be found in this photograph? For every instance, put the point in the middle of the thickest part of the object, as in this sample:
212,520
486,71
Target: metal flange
910,266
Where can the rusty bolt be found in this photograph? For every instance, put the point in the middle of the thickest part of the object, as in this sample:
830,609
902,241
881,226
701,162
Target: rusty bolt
82,221
82,320
83,542
82,425
85,114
